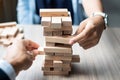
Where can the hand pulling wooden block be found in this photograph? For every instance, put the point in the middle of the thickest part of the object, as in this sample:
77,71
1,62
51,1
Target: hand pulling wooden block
46,21
75,58
7,24
56,22
53,12
58,50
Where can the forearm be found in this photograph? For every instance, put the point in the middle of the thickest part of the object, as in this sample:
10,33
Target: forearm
91,6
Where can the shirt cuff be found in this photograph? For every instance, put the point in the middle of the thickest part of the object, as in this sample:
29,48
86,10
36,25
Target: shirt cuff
8,69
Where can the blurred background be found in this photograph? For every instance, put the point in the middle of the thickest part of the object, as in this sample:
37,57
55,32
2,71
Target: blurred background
111,7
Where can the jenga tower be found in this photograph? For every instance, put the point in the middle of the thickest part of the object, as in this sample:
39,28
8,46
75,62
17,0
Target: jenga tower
57,24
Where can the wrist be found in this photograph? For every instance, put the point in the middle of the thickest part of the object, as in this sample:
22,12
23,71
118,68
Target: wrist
14,65
103,15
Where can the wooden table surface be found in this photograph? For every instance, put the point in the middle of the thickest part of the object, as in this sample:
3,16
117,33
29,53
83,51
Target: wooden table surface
101,62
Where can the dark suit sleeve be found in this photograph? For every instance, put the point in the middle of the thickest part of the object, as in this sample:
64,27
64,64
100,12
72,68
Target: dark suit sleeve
3,75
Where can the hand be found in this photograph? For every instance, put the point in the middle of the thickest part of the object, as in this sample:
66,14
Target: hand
21,54
89,32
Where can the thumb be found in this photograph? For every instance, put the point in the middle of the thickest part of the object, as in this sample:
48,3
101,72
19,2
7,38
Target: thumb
80,28
83,34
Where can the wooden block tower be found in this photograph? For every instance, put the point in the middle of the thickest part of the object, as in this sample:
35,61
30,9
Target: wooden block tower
57,24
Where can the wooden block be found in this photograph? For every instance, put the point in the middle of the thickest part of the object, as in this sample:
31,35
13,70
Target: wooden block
56,73
7,24
56,33
53,12
56,22
63,54
7,42
69,14
57,29
57,58
46,21
66,21
58,50
66,69
50,54
41,50
50,44
20,36
47,33
1,30
67,32
57,63
2,40
48,63
58,69
75,58
21,30
13,32
66,61
58,39
45,68
5,32
63,45
63,67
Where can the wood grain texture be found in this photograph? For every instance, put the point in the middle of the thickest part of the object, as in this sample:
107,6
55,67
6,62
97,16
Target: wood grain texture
53,12
101,62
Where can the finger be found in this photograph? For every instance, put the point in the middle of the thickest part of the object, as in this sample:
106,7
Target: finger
88,29
35,52
30,45
80,28
31,55
90,38
87,46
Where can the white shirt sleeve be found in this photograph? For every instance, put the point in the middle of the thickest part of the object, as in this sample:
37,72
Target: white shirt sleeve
8,69
80,1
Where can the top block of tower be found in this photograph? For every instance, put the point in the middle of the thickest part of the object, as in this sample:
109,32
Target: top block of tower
53,12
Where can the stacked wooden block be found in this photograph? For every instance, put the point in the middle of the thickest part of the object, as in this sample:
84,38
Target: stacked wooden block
9,32
57,24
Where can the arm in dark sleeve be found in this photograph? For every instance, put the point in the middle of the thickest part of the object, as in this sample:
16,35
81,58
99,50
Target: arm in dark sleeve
3,75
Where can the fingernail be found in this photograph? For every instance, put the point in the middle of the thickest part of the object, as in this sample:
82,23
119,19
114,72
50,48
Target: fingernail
71,42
